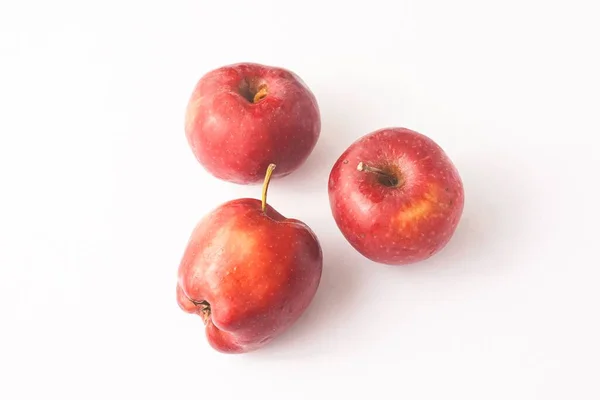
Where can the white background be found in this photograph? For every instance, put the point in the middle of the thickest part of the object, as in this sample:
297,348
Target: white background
99,192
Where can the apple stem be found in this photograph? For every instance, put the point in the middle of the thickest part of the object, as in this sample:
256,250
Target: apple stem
261,94
270,169
386,178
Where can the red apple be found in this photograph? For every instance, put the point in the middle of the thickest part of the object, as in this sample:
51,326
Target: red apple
396,196
249,272
243,117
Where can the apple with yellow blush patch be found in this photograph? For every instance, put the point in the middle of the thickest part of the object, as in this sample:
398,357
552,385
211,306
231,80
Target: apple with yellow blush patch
396,196
248,272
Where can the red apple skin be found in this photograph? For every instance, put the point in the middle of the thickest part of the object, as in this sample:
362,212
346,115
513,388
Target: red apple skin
235,139
406,223
258,271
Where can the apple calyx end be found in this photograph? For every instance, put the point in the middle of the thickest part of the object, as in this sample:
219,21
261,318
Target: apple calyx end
203,310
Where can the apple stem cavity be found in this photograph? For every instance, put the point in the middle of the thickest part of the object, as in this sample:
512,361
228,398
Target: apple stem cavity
253,91
268,175
261,94
385,178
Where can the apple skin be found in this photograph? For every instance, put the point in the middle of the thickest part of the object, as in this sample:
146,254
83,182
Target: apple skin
402,224
249,274
235,138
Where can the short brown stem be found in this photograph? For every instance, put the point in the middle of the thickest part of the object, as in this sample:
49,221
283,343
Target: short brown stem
383,177
265,188
261,94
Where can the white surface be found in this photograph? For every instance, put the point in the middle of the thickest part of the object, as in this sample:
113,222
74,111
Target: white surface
100,192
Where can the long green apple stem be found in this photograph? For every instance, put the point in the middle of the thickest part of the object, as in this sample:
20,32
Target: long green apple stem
385,178
270,169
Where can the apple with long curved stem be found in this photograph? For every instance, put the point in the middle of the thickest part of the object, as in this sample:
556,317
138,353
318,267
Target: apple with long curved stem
396,196
249,272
